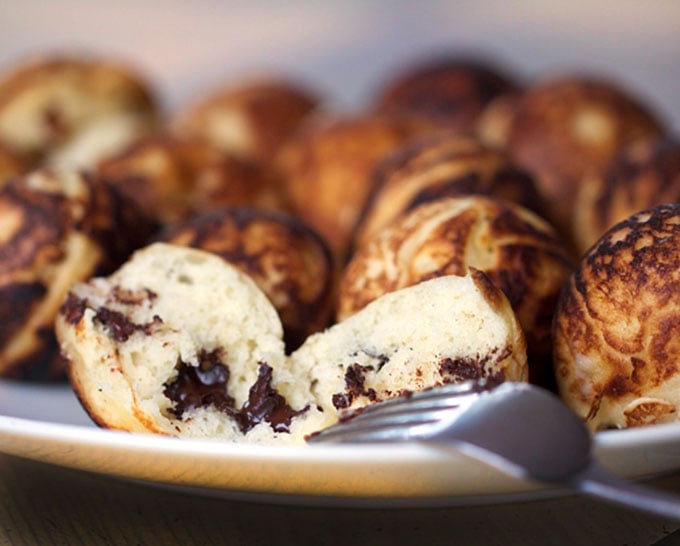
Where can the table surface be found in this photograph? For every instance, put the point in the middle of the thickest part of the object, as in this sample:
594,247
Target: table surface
46,504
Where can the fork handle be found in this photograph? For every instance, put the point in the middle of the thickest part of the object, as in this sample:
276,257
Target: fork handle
598,482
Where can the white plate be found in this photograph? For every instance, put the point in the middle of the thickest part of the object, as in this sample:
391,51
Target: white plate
45,423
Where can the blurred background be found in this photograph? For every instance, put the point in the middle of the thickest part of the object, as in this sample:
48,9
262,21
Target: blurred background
346,48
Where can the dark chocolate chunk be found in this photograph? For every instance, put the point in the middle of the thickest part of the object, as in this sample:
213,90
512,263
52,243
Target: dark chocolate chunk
73,308
266,404
206,386
201,386
119,326
355,378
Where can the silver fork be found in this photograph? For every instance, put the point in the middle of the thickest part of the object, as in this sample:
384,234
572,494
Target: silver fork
520,429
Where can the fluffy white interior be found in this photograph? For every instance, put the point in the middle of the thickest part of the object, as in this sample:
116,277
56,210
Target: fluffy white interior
183,303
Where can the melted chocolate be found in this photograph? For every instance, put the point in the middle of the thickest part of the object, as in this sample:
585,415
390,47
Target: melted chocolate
460,369
206,386
455,370
119,326
73,308
355,380
201,386
265,404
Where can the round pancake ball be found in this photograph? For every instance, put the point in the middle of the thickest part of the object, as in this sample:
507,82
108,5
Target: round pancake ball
286,258
250,118
617,325
70,111
175,177
55,230
327,170
448,90
440,165
566,127
518,250
641,176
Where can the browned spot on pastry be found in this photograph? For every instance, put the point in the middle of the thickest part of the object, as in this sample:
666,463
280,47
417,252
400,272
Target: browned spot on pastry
641,176
114,221
507,221
16,301
37,221
491,292
638,365
617,386
437,166
449,90
508,184
448,243
649,412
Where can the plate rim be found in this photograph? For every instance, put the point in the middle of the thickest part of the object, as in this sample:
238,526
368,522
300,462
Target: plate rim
46,433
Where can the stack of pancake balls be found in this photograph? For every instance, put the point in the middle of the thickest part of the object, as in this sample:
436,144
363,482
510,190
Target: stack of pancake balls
258,263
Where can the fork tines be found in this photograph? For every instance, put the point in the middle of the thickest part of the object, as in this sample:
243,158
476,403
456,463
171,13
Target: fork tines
405,417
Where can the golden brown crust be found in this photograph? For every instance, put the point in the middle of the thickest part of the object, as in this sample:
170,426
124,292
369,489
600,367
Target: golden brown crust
11,164
327,170
451,91
47,101
114,410
563,128
54,230
290,263
617,325
641,176
176,177
251,119
97,74
437,166
516,249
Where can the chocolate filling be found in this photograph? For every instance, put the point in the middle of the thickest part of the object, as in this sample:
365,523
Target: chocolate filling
265,404
206,386
355,380
201,386
460,369
73,308
120,327
455,370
